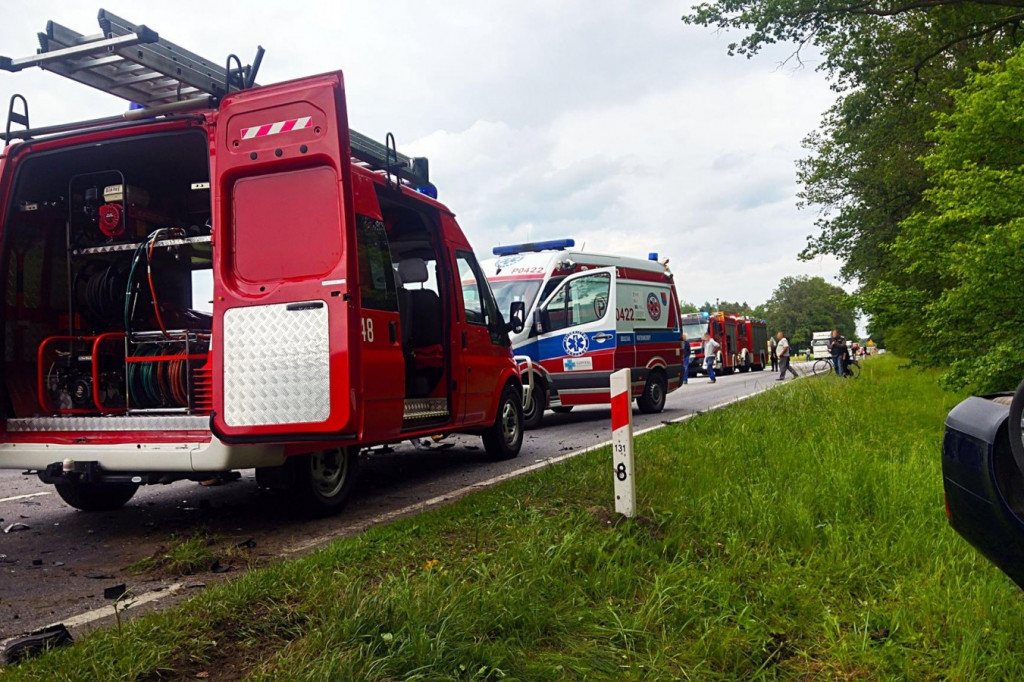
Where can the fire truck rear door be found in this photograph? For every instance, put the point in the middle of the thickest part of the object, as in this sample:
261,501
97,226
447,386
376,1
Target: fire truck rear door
281,190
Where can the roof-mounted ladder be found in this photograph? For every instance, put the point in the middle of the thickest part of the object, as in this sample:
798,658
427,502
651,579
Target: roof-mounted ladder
133,62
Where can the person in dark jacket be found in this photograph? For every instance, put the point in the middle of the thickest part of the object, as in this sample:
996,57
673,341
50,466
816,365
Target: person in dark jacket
773,353
686,359
837,349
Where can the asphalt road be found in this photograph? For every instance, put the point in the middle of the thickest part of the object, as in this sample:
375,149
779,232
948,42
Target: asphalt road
59,565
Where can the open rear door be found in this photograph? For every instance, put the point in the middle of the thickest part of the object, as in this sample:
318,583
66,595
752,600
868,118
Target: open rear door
280,182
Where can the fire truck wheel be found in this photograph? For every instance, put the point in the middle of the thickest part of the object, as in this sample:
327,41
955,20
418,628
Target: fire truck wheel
505,437
562,409
533,411
323,480
652,400
96,496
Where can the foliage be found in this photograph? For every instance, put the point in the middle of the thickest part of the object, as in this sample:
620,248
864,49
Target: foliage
727,307
687,307
892,65
801,539
800,306
962,306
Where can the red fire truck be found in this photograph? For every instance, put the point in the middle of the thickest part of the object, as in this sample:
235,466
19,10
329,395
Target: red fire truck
347,307
742,340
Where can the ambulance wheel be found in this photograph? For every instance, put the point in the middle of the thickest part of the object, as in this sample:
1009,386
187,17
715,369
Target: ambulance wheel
93,497
562,409
533,411
323,480
652,400
504,438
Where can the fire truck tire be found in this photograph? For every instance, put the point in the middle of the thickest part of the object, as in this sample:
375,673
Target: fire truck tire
504,438
94,497
562,409
323,480
533,412
652,400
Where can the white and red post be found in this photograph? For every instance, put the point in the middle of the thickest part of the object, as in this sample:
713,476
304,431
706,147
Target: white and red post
622,443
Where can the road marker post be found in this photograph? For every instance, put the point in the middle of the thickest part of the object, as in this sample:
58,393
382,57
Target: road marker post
622,443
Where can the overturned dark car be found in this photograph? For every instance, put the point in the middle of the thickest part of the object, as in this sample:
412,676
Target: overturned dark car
982,465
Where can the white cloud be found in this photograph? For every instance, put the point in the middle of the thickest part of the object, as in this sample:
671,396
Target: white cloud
619,126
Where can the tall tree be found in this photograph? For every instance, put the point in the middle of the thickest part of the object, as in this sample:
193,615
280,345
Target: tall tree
800,306
892,65
961,307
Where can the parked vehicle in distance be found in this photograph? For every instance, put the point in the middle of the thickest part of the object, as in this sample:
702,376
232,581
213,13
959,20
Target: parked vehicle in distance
743,341
819,344
348,309
589,315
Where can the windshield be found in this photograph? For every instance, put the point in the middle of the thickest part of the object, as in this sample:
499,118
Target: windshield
512,290
694,330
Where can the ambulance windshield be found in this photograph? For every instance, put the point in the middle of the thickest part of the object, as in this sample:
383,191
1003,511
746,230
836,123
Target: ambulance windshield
510,291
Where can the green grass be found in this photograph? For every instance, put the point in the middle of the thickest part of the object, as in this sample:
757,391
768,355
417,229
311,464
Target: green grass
798,535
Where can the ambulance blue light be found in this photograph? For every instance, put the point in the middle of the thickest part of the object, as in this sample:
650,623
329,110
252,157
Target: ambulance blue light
705,314
551,245
652,256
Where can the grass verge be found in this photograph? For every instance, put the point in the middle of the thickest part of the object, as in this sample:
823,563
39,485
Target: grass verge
798,535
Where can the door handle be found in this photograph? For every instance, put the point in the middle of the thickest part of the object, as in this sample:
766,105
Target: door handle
392,331
464,340
308,305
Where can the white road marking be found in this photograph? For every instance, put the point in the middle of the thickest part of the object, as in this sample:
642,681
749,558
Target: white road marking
22,497
104,611
490,482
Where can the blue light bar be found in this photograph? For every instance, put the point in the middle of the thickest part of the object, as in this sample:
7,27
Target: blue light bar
704,314
551,245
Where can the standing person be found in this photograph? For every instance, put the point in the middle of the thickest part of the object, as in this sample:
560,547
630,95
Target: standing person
773,353
782,347
837,348
710,351
686,359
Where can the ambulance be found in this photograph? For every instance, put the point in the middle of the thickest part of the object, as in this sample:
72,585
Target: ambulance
229,278
589,315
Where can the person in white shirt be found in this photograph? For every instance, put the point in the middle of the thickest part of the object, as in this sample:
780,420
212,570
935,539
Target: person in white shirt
710,352
782,348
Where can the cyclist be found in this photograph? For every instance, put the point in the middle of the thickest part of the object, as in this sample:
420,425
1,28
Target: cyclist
837,349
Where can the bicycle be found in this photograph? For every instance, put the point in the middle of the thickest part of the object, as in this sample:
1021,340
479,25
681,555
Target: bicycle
851,368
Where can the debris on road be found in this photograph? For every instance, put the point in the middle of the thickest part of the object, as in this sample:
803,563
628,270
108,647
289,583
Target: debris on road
15,527
18,649
115,591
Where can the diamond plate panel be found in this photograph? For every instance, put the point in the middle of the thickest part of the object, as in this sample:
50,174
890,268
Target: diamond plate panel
111,423
277,364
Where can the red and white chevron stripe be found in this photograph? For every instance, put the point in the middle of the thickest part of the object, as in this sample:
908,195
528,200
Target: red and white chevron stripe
277,128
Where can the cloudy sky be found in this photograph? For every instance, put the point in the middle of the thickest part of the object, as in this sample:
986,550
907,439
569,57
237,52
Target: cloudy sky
620,127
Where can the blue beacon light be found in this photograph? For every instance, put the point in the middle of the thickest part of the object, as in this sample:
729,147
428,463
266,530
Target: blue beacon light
551,245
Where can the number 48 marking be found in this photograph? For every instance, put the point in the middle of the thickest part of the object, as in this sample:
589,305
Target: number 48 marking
368,329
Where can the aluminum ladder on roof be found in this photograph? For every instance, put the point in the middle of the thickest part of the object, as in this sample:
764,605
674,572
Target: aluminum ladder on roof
133,62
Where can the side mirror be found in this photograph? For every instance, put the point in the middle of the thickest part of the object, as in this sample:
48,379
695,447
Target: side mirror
517,315
541,322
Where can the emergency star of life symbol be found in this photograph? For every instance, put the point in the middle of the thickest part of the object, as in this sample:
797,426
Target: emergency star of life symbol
575,343
653,306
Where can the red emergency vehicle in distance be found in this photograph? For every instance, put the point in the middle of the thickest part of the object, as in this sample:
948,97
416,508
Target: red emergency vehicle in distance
742,341
348,308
